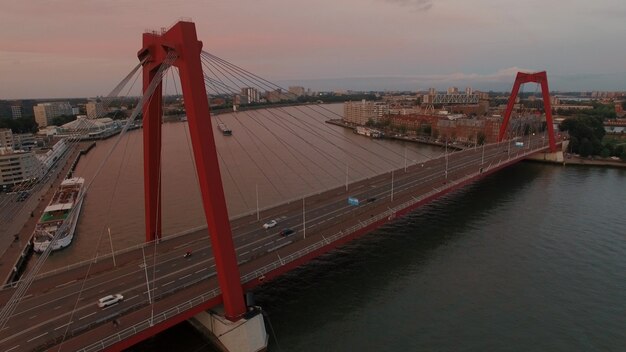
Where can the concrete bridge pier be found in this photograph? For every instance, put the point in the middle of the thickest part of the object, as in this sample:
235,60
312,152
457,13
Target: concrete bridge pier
551,157
547,156
248,334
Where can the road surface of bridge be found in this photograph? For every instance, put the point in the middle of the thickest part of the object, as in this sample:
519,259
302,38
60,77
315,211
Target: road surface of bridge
61,304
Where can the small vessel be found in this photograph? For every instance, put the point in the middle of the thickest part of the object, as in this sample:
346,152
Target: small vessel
224,129
60,216
370,132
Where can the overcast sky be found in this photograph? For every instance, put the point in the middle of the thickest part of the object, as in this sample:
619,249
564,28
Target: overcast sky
79,48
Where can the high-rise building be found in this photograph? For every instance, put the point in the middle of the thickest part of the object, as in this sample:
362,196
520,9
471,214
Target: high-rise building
249,95
6,138
360,112
453,90
468,90
24,141
296,91
45,112
275,96
432,91
17,166
16,111
95,110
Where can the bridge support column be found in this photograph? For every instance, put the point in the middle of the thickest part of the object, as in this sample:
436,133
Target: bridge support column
247,334
521,78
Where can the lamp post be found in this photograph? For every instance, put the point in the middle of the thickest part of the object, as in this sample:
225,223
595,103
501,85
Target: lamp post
303,219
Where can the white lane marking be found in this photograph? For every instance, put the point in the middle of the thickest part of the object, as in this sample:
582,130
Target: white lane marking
184,277
57,307
65,284
255,248
244,253
169,283
184,245
88,315
27,296
201,270
12,348
212,265
36,337
34,316
101,291
62,326
135,296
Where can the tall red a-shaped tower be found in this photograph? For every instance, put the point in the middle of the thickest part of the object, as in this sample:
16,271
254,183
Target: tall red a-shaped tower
542,79
182,40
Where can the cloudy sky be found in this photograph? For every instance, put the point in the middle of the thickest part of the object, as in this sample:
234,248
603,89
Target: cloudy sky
63,48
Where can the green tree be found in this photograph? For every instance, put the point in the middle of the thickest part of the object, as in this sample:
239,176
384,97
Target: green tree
574,145
586,148
481,138
605,153
23,125
62,120
584,127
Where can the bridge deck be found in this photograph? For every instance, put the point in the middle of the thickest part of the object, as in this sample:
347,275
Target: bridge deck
185,286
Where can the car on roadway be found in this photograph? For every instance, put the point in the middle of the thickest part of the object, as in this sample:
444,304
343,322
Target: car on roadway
270,224
287,232
371,199
22,196
110,300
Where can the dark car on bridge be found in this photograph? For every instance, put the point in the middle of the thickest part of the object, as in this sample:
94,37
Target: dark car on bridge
287,232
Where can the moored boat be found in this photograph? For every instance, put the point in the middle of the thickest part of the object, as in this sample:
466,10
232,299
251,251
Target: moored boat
60,217
224,129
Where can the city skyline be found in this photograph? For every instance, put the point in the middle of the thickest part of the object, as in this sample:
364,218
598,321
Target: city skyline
67,48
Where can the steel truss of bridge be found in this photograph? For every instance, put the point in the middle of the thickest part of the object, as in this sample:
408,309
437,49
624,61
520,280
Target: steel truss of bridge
455,99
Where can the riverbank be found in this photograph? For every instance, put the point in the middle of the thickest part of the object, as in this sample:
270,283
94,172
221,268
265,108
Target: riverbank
579,161
20,250
416,139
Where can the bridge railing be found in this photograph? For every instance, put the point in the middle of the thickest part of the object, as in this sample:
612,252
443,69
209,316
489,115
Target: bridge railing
281,261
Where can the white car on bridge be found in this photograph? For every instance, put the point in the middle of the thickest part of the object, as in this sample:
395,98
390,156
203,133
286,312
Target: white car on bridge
270,224
109,300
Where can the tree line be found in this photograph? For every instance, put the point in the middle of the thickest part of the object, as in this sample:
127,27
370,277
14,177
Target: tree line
587,133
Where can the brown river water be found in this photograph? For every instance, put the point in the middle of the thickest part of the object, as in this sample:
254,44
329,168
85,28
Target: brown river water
286,153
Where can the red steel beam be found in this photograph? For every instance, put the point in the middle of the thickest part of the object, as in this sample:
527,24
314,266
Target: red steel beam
182,39
152,112
542,79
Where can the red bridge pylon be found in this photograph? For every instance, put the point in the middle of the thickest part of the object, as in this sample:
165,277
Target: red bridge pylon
182,40
542,79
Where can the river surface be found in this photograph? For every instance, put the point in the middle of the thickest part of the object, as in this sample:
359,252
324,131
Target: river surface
532,258
283,153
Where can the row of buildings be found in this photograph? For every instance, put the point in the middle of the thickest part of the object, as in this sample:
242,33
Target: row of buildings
46,112
440,125
21,160
250,95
